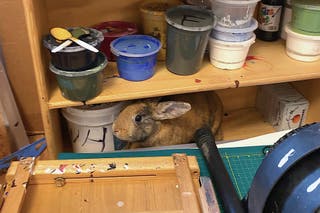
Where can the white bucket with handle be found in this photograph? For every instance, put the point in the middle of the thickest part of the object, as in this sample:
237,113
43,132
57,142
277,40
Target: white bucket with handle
90,127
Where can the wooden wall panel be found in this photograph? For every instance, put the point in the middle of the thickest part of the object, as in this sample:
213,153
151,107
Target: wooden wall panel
16,50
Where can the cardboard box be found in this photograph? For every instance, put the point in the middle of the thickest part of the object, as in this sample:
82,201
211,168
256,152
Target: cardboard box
282,106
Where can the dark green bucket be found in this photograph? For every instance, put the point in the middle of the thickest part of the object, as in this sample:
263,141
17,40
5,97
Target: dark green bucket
81,85
188,29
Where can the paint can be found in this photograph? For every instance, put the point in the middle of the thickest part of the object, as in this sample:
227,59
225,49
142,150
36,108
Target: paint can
112,30
136,56
154,23
81,85
187,37
90,126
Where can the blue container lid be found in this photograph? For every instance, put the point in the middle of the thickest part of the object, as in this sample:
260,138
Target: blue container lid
135,46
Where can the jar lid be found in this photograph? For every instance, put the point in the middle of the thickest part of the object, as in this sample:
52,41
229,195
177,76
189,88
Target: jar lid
190,18
307,4
135,46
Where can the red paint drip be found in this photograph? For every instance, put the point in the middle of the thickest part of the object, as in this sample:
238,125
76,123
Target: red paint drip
252,57
197,80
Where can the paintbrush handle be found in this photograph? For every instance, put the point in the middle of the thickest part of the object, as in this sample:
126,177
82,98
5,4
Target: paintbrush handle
85,45
61,46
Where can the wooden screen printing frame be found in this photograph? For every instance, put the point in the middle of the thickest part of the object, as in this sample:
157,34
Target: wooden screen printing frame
143,184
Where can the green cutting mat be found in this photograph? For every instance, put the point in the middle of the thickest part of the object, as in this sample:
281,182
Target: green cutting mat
241,162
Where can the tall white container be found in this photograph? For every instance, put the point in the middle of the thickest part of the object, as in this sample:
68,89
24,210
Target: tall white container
90,127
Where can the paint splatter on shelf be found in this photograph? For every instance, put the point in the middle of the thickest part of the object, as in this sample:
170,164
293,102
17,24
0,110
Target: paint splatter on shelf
197,80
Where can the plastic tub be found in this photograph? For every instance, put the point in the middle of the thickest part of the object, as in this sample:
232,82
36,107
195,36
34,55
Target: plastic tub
81,85
90,126
302,47
74,57
154,23
136,56
229,55
234,35
234,13
187,37
306,15
112,30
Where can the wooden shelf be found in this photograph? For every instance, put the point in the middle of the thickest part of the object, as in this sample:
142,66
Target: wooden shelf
244,123
271,65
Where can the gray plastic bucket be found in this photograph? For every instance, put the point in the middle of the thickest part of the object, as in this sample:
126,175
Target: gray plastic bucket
188,30
82,85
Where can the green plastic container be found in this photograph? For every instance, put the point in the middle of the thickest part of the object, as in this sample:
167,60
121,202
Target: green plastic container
188,32
81,85
306,15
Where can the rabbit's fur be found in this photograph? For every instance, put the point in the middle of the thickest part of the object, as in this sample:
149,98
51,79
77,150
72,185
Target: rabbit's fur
169,120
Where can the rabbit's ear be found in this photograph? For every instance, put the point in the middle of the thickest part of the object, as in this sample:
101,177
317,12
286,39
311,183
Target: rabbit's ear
169,110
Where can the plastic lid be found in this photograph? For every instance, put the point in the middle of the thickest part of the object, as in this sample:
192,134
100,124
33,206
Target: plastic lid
190,18
101,61
252,27
135,46
236,2
301,34
94,38
307,4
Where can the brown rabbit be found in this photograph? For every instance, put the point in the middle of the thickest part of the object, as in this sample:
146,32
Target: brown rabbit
168,120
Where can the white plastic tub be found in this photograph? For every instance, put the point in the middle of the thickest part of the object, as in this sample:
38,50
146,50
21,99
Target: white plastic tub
234,13
229,55
90,127
302,47
232,34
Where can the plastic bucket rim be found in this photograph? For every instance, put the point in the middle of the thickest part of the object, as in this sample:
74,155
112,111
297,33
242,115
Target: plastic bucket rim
132,55
82,73
77,48
290,32
103,24
73,114
253,26
191,29
306,6
235,43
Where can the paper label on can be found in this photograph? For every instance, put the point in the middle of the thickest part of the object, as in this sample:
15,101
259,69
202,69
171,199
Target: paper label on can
269,17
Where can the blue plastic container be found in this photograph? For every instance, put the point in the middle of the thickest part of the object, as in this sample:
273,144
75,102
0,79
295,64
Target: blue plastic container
234,35
136,56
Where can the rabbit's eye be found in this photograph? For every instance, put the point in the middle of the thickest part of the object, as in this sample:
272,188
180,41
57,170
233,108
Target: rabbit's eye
138,118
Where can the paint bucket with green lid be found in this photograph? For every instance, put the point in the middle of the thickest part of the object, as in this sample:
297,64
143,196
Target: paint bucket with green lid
306,15
81,85
188,29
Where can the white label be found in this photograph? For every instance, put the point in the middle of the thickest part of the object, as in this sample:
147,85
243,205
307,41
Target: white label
269,17
285,158
313,186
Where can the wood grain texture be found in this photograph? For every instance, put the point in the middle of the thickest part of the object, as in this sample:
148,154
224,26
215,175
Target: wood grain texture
17,188
18,62
144,184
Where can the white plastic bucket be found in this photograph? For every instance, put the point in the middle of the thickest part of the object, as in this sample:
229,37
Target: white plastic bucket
234,13
229,55
234,35
90,127
302,47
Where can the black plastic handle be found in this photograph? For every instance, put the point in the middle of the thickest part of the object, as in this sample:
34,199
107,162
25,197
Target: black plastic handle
222,181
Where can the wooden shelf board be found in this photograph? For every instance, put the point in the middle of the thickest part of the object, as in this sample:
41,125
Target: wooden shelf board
244,123
267,63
